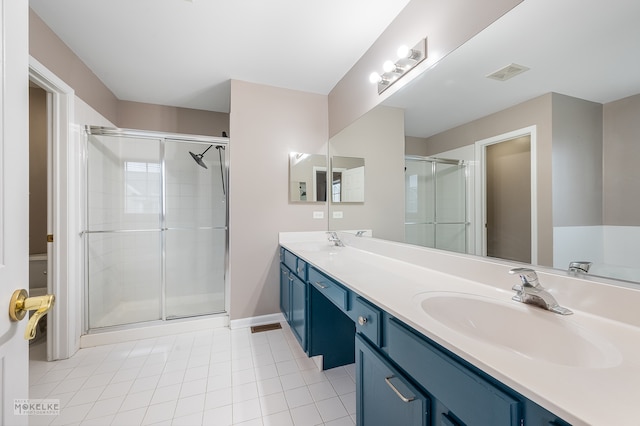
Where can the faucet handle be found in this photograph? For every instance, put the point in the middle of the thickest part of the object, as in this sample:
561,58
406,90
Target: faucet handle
528,277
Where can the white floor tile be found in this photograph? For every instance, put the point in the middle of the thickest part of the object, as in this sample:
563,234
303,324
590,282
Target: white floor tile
322,390
131,417
298,397
190,405
279,419
218,398
274,403
307,415
246,410
105,407
159,412
269,386
218,377
221,416
331,409
137,400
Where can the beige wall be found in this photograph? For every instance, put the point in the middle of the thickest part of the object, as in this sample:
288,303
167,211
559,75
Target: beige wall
577,162
37,171
136,115
378,137
621,176
267,123
446,25
538,112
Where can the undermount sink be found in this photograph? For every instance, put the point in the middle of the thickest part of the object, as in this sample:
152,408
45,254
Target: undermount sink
525,330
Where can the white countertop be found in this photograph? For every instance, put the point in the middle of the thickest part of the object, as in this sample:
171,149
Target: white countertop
396,277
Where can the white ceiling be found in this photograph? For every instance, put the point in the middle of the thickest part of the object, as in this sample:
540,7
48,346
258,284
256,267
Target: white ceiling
589,49
183,53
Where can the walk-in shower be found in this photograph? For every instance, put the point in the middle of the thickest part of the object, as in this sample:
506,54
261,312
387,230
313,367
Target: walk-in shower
436,199
156,238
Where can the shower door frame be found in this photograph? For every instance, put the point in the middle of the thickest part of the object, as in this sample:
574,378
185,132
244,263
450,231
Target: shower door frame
163,138
468,243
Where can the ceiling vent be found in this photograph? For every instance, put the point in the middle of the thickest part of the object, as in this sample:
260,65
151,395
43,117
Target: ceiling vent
504,74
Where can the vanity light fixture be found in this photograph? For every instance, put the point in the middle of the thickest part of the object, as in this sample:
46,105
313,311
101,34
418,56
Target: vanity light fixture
408,58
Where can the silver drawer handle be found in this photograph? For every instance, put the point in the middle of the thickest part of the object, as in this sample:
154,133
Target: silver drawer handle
362,320
322,286
401,396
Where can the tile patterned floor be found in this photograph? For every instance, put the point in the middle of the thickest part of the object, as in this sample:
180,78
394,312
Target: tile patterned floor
218,377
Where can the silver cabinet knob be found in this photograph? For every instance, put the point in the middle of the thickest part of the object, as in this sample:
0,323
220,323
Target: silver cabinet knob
362,320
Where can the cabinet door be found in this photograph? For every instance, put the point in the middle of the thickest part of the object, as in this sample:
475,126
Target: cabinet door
298,319
285,293
383,395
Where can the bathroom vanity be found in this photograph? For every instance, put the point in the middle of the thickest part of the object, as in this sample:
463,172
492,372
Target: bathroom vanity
437,339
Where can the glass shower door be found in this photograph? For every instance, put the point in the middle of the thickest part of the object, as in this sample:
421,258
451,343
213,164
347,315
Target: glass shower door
196,231
419,195
123,230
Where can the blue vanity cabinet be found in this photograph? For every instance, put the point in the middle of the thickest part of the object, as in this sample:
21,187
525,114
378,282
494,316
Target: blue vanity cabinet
469,398
294,294
384,396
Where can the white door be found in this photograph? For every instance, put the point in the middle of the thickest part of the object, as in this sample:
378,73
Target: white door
14,203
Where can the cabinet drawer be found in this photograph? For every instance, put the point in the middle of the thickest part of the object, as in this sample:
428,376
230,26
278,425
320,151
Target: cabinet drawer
368,320
301,269
330,289
469,396
290,259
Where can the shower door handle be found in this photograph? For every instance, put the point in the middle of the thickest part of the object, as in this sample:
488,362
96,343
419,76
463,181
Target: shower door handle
20,304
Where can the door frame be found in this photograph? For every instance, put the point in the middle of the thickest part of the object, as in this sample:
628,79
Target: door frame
481,189
63,214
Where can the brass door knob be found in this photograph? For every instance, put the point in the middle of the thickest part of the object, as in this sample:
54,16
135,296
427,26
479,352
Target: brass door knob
20,304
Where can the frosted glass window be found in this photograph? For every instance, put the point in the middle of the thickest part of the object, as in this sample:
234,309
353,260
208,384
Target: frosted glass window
142,183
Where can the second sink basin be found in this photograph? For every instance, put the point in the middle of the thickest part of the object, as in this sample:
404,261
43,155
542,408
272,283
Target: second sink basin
525,330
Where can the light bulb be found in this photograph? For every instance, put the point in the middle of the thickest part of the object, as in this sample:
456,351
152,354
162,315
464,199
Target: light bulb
374,78
403,51
389,66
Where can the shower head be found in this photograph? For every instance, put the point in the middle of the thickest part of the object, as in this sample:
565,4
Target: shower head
198,159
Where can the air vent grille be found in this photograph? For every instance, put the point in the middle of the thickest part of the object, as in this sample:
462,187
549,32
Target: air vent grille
505,73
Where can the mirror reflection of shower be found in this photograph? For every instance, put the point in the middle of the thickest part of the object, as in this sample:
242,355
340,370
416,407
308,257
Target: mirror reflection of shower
198,159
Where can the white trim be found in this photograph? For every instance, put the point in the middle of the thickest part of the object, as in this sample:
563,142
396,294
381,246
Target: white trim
65,262
145,331
252,321
480,188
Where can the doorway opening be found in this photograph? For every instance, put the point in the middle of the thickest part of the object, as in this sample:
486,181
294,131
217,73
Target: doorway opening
39,212
507,212
62,198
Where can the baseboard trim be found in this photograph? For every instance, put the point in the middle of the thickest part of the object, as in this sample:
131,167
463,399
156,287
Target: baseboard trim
253,321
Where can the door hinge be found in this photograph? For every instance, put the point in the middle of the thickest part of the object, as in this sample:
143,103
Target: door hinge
50,238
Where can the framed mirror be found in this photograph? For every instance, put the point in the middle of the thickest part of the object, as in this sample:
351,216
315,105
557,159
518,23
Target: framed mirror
347,179
579,111
307,178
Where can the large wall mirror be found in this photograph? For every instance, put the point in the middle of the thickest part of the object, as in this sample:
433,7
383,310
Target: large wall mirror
307,178
574,109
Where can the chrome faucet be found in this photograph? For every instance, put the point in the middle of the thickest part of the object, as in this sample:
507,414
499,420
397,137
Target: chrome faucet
333,236
360,233
579,267
531,292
